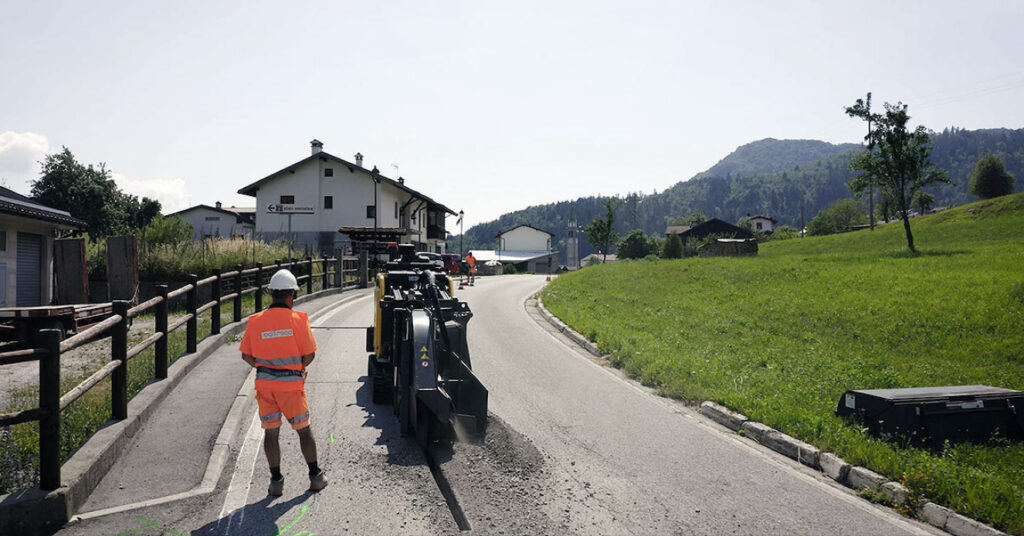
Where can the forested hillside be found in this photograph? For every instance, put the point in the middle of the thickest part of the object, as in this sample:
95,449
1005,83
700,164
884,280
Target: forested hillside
771,177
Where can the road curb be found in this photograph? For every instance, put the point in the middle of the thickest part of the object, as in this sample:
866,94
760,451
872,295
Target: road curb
35,511
851,476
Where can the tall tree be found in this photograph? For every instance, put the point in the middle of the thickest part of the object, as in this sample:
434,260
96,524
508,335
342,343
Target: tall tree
601,231
899,164
989,178
89,194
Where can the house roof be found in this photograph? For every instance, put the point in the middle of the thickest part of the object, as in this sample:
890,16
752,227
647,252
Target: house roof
676,229
484,255
251,188
13,203
241,215
702,228
510,229
759,217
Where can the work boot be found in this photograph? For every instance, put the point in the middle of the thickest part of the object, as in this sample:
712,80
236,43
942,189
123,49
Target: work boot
318,481
276,488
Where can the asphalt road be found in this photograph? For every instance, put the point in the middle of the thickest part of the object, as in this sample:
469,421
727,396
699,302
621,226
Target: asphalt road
573,447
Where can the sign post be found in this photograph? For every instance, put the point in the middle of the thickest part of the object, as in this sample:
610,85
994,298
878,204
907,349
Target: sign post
288,210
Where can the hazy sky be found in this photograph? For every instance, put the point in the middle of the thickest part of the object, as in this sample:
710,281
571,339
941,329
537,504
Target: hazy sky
485,106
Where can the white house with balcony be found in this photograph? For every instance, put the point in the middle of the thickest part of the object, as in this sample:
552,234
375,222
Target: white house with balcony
351,207
218,221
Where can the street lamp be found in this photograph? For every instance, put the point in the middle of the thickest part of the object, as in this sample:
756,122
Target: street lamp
376,181
462,252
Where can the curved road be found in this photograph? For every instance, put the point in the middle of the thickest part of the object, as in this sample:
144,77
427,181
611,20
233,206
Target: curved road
573,447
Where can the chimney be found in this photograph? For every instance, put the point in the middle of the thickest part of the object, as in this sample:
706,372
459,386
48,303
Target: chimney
359,159
317,146
401,180
217,205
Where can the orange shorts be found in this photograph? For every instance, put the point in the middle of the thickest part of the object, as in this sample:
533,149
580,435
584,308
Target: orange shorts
291,404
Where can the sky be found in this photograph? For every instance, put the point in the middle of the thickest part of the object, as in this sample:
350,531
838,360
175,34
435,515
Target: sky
487,107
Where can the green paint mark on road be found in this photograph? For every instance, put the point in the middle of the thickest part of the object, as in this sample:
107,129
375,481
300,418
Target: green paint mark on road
302,513
332,438
147,524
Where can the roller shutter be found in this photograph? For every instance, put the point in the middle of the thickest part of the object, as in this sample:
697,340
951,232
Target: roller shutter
29,271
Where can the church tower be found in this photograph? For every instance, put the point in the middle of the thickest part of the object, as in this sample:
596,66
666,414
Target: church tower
572,243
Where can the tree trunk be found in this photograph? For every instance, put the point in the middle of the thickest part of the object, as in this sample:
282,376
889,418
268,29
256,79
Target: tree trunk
910,235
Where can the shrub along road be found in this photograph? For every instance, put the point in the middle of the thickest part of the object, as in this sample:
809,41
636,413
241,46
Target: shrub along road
572,448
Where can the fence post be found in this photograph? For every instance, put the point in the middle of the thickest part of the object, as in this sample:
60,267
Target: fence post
259,287
161,327
119,351
325,283
191,304
364,268
309,272
49,402
339,274
215,312
238,293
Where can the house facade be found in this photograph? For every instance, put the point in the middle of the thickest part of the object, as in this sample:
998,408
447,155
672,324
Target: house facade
762,224
342,206
527,248
218,222
27,231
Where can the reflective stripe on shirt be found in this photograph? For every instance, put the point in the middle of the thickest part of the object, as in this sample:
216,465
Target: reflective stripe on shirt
265,376
278,361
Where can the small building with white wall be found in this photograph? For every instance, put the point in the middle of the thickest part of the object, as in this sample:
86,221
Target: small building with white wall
218,221
351,207
524,246
762,224
27,231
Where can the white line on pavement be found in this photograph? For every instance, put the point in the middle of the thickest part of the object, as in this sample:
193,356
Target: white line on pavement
241,481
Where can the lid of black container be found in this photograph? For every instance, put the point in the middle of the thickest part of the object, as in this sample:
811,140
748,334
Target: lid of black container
952,391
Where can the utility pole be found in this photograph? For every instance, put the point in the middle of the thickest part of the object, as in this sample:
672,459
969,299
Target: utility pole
376,181
801,220
871,188
462,252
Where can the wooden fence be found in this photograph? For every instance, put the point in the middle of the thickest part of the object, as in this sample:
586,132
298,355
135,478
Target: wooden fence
334,272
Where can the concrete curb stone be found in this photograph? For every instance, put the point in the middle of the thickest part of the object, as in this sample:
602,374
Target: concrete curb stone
856,477
722,415
834,466
895,492
37,512
862,478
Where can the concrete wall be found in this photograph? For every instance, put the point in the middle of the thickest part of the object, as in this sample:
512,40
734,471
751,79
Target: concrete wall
12,225
210,223
525,239
766,225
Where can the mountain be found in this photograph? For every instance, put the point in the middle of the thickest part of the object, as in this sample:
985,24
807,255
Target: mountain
771,155
777,178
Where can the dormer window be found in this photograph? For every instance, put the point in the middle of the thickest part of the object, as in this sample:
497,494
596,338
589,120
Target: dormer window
328,172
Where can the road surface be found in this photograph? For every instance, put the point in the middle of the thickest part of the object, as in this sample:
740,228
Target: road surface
572,448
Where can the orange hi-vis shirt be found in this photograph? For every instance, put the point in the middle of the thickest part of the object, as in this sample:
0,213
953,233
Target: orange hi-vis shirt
278,338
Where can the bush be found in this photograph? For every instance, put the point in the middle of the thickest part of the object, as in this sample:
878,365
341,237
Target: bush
784,232
989,178
509,269
637,245
175,261
837,218
652,258
171,230
673,247
690,247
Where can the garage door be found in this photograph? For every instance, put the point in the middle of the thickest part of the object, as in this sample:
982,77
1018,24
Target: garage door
30,260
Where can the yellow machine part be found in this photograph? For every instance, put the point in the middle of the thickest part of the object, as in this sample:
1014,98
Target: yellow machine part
451,286
378,293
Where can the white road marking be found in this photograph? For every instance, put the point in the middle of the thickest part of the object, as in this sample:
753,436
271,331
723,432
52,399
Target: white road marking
241,480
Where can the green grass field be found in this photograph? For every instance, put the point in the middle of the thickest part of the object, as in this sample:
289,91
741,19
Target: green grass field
780,336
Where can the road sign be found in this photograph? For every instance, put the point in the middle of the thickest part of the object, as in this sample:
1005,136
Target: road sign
276,208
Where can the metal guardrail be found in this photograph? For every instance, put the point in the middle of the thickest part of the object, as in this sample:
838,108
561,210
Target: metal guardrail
334,273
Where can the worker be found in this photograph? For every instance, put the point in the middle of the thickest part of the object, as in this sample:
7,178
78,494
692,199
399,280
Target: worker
279,343
471,261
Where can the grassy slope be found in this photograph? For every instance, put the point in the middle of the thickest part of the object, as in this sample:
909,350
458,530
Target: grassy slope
781,336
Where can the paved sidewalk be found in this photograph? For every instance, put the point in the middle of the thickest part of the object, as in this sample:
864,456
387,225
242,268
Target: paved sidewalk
170,453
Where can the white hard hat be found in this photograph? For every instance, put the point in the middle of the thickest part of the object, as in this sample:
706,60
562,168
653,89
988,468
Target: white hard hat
283,280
